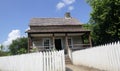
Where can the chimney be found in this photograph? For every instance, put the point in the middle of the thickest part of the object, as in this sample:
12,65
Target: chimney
67,15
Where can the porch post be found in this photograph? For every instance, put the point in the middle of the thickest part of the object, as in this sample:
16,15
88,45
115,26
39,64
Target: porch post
90,42
29,43
66,43
53,38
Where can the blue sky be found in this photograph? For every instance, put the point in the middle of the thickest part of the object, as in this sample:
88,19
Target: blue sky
16,14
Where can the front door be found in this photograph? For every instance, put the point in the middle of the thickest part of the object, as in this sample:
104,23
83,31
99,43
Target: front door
58,44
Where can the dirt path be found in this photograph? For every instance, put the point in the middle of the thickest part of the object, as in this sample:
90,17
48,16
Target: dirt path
80,68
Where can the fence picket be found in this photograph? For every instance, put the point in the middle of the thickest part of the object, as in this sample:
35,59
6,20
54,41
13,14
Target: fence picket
105,57
53,61
42,61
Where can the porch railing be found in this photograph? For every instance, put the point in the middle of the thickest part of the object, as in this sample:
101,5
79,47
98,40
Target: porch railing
80,46
42,48
51,47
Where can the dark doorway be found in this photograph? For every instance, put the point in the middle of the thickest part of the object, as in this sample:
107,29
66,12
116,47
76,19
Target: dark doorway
58,45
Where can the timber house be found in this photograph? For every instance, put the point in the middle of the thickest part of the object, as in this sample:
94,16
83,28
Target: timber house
57,34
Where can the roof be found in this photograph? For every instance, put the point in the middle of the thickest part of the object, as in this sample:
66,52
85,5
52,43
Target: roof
53,21
55,25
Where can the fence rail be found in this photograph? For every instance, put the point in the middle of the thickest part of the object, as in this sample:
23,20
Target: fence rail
105,57
41,61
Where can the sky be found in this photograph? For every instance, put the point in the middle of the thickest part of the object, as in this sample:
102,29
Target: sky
15,15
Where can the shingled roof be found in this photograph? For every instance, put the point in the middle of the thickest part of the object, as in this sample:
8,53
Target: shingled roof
53,21
56,25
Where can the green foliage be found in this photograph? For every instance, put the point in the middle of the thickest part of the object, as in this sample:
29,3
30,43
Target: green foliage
85,36
106,19
19,46
88,26
2,53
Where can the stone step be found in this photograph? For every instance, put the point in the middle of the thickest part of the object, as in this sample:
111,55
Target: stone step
67,60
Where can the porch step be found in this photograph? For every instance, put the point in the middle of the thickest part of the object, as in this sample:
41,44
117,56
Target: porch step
67,60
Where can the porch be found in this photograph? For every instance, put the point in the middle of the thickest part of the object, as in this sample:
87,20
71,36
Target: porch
59,41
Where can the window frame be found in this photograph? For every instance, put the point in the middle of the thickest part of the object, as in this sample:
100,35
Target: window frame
45,47
71,40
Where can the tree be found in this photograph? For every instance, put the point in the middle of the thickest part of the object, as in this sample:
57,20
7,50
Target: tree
106,20
88,27
2,52
1,47
19,46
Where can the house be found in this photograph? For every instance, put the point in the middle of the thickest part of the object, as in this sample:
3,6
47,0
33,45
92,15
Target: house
57,34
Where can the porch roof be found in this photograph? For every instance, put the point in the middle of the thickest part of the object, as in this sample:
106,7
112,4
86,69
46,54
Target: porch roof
63,30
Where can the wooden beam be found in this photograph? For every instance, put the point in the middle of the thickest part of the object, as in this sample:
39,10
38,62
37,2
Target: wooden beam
53,38
66,43
90,42
29,43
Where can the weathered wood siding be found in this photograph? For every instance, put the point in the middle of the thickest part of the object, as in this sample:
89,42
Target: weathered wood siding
77,40
37,42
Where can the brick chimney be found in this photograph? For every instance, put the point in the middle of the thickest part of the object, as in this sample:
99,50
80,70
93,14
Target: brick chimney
67,15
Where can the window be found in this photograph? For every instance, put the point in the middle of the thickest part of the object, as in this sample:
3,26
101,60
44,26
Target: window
70,44
47,43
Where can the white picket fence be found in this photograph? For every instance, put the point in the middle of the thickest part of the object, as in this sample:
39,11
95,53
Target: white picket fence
105,57
41,61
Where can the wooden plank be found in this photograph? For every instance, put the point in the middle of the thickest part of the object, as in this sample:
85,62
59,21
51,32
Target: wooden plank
53,38
66,43
29,43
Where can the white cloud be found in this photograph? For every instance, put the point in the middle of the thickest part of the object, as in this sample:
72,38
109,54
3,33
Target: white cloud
70,8
68,1
27,29
14,34
65,3
60,5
